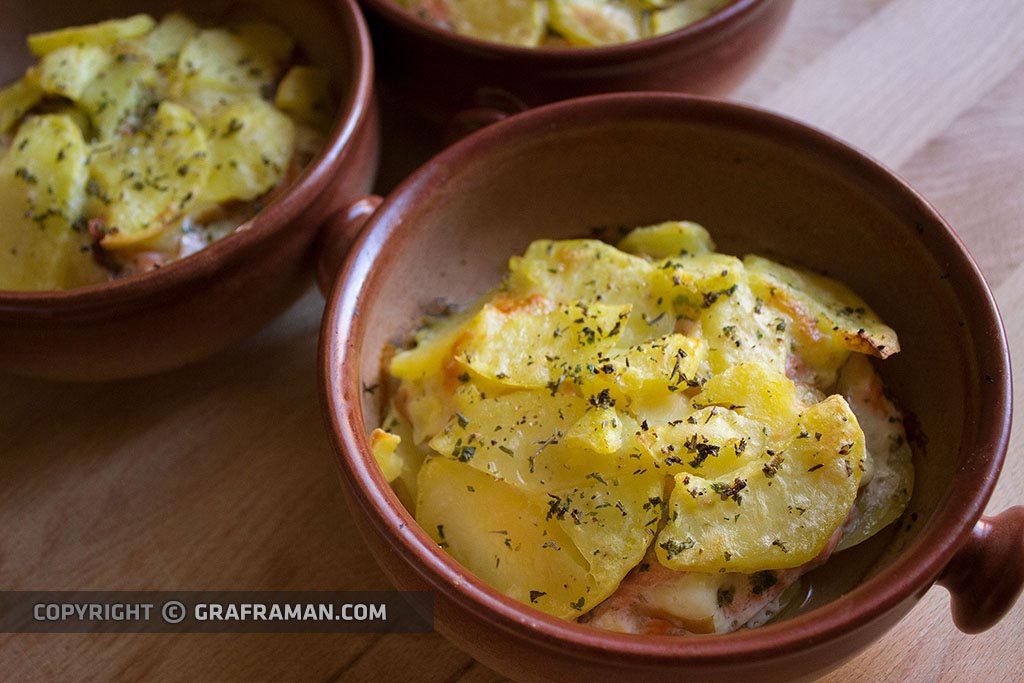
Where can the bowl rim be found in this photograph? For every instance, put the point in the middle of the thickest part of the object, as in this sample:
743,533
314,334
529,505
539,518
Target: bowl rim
735,11
145,287
901,582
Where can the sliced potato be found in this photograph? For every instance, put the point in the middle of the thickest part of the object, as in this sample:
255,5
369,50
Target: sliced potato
666,365
220,59
536,343
775,513
513,22
668,240
691,284
682,14
711,442
520,438
889,478
599,430
569,271
101,34
251,145
118,96
206,102
576,468
141,183
383,445
822,306
67,71
592,23
163,44
741,328
503,536
17,99
611,521
756,391
433,348
78,116
407,458
42,191
305,94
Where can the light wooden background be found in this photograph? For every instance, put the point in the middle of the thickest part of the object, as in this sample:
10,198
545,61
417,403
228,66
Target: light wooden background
220,476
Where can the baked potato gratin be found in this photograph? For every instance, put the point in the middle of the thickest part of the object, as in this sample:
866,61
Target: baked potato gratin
654,438
133,143
562,23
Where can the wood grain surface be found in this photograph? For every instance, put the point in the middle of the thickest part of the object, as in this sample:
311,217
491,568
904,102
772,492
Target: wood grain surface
219,476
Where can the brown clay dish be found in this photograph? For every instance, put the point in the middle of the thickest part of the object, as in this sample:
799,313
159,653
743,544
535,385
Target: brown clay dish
158,320
759,183
443,75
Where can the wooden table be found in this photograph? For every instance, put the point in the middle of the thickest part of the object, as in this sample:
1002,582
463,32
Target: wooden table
219,476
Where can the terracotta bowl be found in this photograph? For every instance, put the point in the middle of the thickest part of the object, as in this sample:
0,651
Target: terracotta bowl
759,183
452,79
191,308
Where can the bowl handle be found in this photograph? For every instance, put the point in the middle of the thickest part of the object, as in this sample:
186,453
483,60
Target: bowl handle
986,575
337,236
490,105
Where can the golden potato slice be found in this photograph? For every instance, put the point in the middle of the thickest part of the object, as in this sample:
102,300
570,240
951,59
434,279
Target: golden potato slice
666,365
611,521
741,328
163,44
143,182
519,437
206,102
407,458
513,22
433,347
68,70
47,158
101,34
888,481
536,343
119,95
668,240
693,283
775,513
682,14
42,191
593,23
78,116
233,61
576,468
504,537
822,306
17,99
599,430
383,445
756,391
251,145
711,442
304,92
541,442
570,271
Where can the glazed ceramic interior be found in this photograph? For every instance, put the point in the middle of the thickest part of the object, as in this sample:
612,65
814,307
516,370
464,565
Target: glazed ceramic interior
759,184
317,27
